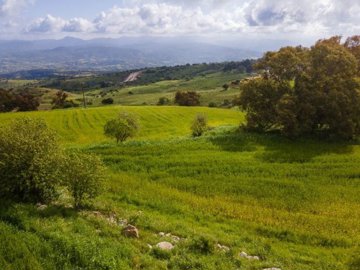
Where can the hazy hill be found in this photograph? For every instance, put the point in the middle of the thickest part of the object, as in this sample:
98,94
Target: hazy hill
111,54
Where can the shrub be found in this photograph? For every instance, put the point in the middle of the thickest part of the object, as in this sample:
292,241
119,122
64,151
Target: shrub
199,126
212,105
107,101
122,128
29,161
202,245
163,101
83,176
188,98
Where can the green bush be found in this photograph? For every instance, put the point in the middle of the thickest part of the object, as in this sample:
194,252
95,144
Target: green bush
122,128
83,176
199,126
33,167
29,161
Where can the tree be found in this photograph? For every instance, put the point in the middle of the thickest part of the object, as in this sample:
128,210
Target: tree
163,101
122,128
83,176
34,168
59,100
199,125
107,101
188,98
305,91
225,86
29,161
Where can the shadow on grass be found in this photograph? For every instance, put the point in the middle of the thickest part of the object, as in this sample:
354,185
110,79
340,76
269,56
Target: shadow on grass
18,214
273,147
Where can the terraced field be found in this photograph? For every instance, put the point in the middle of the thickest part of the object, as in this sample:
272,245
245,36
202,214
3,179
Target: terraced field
294,204
79,126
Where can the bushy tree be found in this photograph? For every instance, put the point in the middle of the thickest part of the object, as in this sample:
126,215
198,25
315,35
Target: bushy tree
29,161
187,98
199,125
305,91
123,127
83,175
11,101
33,166
107,101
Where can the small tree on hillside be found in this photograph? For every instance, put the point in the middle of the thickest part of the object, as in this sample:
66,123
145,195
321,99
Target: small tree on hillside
199,125
188,98
83,176
122,128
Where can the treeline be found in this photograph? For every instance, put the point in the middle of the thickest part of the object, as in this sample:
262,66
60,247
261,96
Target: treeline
14,101
149,75
304,91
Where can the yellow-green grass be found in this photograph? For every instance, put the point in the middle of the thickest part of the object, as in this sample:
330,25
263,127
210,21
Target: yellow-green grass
85,126
295,203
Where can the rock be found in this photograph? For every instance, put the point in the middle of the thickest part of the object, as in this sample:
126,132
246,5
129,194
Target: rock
162,234
131,231
41,207
272,268
165,246
149,246
249,257
175,238
223,248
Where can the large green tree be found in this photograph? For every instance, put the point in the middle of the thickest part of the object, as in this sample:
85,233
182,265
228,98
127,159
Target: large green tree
306,91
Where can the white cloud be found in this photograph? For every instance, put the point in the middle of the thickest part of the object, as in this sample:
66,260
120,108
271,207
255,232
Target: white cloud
310,17
12,7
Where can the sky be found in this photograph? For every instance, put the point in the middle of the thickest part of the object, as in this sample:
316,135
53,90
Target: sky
222,19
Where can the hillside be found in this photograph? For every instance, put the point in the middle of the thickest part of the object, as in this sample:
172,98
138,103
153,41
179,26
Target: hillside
294,204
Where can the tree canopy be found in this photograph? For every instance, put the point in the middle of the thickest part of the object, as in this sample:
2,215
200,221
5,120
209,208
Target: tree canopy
306,90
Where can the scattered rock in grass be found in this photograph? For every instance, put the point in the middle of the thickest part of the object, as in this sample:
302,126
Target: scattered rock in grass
272,268
175,238
223,248
249,257
41,207
123,222
165,246
131,231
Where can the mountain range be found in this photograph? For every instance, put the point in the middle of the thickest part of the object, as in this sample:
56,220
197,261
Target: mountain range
73,54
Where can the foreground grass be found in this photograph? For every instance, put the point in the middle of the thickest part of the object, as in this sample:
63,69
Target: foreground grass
295,204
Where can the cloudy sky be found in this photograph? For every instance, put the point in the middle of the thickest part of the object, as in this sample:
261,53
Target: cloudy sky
276,19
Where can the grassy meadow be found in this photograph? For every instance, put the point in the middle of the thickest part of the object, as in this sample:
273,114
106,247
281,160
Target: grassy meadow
295,204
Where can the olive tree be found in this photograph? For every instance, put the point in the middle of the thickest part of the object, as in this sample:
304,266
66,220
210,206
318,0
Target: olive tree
123,127
30,155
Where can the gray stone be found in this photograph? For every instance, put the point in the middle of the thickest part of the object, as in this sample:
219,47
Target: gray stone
165,246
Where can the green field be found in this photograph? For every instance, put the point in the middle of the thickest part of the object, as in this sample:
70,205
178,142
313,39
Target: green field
295,204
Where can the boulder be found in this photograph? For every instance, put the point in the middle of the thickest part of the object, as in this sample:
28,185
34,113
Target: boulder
165,246
131,231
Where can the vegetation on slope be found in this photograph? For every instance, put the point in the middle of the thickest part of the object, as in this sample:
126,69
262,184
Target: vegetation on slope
294,204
